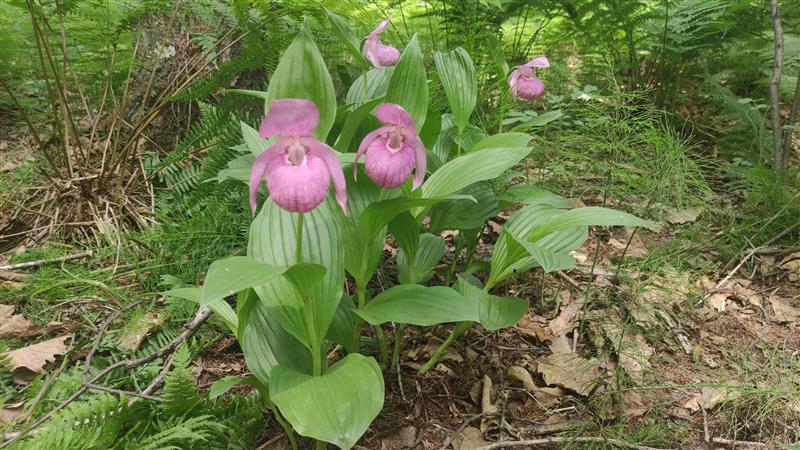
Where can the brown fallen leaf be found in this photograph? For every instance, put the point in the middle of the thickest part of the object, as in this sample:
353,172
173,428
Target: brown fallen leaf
791,263
13,325
28,361
565,321
632,350
12,414
682,216
401,439
570,371
784,311
132,338
709,397
523,376
470,438
718,301
535,326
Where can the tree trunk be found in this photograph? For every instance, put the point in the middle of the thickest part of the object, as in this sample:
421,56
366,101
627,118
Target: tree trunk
778,162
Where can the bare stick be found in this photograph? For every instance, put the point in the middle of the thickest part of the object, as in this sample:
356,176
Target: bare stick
568,440
734,442
189,330
97,387
101,332
40,262
774,89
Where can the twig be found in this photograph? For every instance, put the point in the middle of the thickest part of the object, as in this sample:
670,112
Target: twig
562,440
706,433
734,442
40,262
101,332
568,279
189,330
97,387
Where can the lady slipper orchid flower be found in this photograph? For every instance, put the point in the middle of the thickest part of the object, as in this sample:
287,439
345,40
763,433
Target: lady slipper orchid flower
298,167
523,81
393,150
376,52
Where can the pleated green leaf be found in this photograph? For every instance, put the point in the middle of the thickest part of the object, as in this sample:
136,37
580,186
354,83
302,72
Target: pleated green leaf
377,83
302,73
460,83
418,267
347,37
344,143
419,305
471,168
408,86
377,215
465,215
493,312
336,407
272,241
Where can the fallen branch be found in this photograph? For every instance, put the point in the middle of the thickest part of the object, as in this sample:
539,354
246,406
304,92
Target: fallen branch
40,262
566,440
189,330
734,442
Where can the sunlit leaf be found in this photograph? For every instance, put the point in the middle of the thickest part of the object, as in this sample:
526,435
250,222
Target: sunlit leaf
408,86
457,74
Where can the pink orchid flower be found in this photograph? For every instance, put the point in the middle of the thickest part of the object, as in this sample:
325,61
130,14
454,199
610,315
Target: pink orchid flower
298,167
393,150
376,52
524,83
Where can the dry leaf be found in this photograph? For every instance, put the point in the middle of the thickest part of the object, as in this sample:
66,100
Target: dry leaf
132,339
28,361
565,321
523,376
12,325
470,438
717,301
709,397
11,414
682,216
634,404
401,439
487,407
632,350
784,312
535,326
570,371
791,263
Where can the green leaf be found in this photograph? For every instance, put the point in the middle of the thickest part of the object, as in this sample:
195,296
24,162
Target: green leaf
377,215
405,230
302,73
420,268
272,241
548,260
219,307
540,120
225,384
255,143
336,407
362,251
342,329
352,123
408,86
471,168
264,343
230,275
496,52
590,215
258,94
429,133
238,169
419,305
464,215
305,276
460,83
501,140
531,195
377,85
493,312
347,37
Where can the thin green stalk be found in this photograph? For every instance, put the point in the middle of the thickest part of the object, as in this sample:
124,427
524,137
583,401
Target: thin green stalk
286,428
459,329
361,301
298,242
398,334
383,346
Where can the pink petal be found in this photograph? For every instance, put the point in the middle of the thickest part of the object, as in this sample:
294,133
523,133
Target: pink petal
298,188
260,168
395,115
529,88
380,28
365,143
513,80
325,153
379,54
540,61
386,168
290,117
421,159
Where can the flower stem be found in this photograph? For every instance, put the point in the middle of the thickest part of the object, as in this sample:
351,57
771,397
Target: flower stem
382,345
459,329
298,236
286,428
398,333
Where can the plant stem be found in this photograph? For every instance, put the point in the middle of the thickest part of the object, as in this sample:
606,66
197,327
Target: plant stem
286,428
398,333
382,345
298,236
459,329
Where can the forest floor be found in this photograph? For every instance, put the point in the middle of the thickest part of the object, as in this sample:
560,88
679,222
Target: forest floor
633,348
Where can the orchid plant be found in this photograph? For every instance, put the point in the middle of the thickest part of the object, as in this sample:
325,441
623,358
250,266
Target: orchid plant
422,172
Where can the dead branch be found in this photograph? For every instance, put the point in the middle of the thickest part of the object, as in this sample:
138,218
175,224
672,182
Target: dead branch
733,442
778,162
566,440
40,262
101,332
189,330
